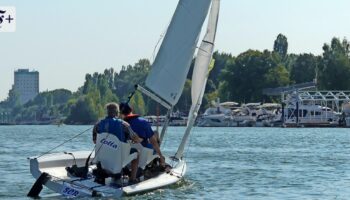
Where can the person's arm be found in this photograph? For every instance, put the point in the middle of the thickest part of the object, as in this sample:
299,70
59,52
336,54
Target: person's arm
127,129
153,140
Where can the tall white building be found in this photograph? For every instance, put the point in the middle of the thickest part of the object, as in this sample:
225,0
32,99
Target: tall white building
26,84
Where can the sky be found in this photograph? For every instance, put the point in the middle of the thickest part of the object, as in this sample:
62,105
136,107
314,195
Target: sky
66,39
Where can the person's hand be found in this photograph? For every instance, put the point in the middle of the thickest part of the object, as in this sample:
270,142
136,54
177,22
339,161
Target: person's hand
162,161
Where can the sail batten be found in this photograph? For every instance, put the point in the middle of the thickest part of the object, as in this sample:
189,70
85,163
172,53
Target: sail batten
170,68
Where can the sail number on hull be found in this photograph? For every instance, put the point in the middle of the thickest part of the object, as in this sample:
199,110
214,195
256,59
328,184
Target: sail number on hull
69,192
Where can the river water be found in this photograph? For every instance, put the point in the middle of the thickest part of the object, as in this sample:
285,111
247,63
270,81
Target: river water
223,163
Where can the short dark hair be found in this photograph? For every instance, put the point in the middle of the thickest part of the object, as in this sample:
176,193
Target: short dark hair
112,109
125,108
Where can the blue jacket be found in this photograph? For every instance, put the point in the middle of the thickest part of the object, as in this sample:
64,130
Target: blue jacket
113,126
143,129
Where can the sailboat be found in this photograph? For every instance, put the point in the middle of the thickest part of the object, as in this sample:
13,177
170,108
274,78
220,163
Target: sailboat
72,173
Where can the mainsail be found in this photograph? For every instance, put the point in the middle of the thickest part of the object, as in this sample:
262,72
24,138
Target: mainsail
201,72
172,63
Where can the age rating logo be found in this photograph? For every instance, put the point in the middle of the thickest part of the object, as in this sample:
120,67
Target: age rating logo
7,19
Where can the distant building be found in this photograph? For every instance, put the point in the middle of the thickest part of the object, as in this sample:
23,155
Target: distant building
26,84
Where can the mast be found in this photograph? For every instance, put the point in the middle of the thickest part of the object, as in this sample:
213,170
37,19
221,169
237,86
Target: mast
201,72
165,125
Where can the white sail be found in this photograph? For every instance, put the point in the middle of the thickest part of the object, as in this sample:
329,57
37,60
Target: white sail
172,63
201,72
204,54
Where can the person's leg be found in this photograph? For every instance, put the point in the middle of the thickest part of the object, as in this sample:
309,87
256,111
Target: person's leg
134,168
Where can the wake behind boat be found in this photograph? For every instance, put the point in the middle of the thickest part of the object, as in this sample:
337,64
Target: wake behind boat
104,171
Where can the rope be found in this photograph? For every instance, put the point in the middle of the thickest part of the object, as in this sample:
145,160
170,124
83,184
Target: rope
189,141
132,94
98,150
163,143
64,142
188,146
158,42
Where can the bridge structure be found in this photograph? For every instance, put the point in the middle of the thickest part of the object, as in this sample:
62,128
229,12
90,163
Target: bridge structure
306,96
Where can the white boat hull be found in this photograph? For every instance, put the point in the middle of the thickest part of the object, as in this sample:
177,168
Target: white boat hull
60,182
347,119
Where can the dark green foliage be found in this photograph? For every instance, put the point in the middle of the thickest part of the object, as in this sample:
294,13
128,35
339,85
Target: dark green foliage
84,111
45,107
185,100
12,100
125,80
92,98
335,66
55,97
138,104
251,72
281,46
304,68
240,79
290,60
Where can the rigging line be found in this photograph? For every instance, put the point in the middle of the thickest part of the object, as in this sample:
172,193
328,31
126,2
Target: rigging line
163,144
188,146
158,42
96,152
155,47
65,142
131,94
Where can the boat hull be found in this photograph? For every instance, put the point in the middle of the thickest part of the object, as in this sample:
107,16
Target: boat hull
60,182
347,120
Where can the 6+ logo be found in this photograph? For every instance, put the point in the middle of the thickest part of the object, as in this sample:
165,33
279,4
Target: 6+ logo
7,19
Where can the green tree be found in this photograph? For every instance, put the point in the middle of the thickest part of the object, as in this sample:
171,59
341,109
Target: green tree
129,76
92,97
83,112
277,76
304,68
13,99
281,46
221,61
335,68
251,72
138,104
185,100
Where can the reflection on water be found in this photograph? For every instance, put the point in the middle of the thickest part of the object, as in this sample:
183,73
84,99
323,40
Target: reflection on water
223,163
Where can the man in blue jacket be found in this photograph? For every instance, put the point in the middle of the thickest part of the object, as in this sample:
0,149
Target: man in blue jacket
143,129
113,125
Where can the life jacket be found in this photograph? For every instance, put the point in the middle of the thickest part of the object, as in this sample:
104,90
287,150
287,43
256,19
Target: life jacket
113,126
131,116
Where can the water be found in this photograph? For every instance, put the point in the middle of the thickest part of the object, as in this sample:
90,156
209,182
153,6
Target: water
223,163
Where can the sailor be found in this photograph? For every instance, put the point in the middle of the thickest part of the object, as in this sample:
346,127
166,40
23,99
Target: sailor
143,129
113,125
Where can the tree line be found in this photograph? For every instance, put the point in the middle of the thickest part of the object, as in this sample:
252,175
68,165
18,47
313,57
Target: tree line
238,78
